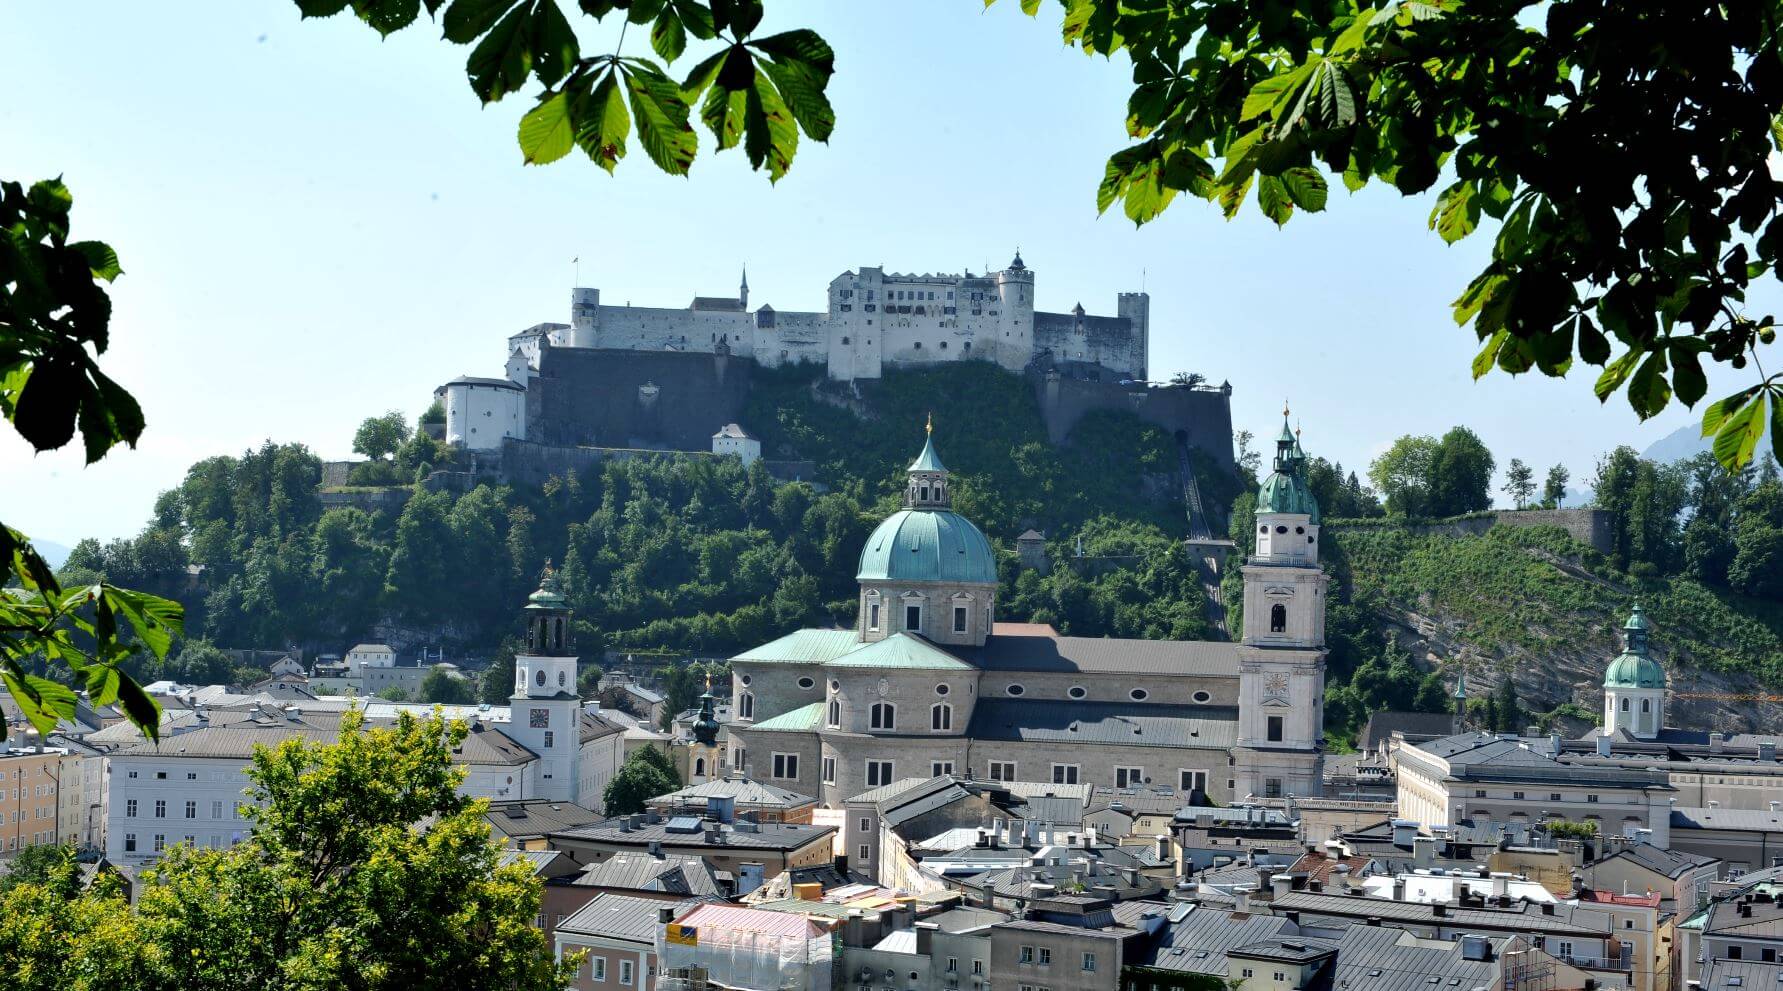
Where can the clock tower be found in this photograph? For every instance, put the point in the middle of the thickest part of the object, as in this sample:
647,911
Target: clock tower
1281,672
544,711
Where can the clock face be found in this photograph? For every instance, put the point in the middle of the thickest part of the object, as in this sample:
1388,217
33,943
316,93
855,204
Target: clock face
1276,686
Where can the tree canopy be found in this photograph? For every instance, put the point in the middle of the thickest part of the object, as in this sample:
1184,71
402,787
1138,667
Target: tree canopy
646,773
381,437
336,886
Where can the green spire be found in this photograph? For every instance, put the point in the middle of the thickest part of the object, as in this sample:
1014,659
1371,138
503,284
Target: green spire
705,728
550,592
928,460
1461,686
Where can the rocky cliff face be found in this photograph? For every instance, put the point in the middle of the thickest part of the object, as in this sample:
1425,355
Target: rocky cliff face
1540,609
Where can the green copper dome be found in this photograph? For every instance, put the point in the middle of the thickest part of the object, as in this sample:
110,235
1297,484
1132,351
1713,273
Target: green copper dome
549,594
928,545
1285,492
1634,669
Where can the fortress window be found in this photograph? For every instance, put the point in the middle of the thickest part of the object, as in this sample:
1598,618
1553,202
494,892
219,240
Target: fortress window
884,715
844,340
966,346
919,345
943,345
1077,691
1139,694
1278,618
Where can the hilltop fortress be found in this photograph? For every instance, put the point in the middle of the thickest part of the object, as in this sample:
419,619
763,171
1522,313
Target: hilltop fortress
636,377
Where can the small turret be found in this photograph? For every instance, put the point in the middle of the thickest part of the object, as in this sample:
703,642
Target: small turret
743,290
927,485
1634,684
705,728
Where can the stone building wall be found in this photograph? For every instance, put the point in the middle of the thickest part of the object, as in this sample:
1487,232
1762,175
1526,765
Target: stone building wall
599,397
1591,527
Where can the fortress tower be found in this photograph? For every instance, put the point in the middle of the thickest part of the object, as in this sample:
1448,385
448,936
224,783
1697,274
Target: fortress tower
1015,293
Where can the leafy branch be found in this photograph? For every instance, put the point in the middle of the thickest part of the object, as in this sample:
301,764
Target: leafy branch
760,93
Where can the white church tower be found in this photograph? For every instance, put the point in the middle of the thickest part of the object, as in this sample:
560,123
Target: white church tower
1634,685
545,711
1281,722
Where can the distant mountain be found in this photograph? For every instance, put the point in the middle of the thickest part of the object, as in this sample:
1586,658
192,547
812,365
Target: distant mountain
53,553
1687,442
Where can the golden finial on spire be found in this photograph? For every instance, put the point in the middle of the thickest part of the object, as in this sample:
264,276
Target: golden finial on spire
1284,409
929,428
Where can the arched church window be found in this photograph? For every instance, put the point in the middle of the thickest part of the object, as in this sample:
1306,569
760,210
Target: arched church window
540,678
1646,705
562,679
746,705
925,493
1624,705
835,714
941,717
884,715
1278,618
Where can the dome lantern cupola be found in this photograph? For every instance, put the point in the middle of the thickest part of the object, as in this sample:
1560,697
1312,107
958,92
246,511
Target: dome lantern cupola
705,728
1634,684
927,477
548,619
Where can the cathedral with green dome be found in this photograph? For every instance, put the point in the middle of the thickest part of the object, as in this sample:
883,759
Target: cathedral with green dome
1634,685
928,682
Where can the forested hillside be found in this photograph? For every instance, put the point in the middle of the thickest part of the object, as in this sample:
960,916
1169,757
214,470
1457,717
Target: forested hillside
698,554
687,553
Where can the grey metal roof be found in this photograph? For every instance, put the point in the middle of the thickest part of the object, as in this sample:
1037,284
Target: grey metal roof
677,875
1380,958
538,861
536,817
1748,975
765,836
1132,724
487,382
1141,801
1057,811
1665,862
1199,938
895,789
1045,654
1526,917
1765,922
745,791
905,811
626,917
1745,820
1382,725
959,920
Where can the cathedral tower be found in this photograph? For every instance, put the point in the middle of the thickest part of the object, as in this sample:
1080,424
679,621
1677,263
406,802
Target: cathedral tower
544,711
1281,724
1634,685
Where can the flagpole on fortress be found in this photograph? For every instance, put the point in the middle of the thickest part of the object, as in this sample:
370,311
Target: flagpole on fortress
577,261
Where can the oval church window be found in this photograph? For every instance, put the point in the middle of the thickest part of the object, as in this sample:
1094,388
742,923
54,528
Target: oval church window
562,679
540,679
807,683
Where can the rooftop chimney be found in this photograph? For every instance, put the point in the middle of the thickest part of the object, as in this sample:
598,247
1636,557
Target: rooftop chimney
1767,750
1403,832
1424,851
1603,745
1715,742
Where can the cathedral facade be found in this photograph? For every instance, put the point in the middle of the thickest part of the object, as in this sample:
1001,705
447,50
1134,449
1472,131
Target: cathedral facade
928,682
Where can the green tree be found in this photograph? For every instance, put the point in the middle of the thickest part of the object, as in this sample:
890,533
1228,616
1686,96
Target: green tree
1519,483
1554,489
1402,474
1507,713
496,685
200,662
394,693
641,778
53,939
445,689
42,864
435,414
335,861
381,436
1757,565
1460,478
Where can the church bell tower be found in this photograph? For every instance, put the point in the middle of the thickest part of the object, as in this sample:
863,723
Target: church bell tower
1281,722
544,711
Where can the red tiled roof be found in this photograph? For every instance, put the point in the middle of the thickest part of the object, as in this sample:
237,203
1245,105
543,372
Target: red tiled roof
1318,867
1023,630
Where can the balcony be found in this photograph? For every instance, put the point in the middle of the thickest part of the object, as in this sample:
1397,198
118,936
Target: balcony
1622,964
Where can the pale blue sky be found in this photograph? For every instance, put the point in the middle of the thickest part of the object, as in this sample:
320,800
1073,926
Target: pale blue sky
317,226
